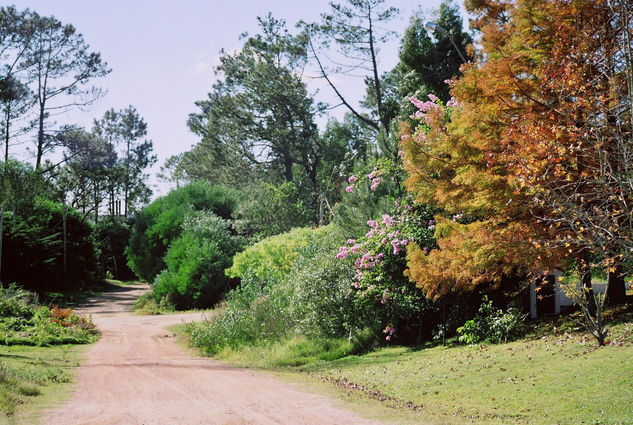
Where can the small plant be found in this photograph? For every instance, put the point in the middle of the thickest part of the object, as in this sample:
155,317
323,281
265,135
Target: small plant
492,325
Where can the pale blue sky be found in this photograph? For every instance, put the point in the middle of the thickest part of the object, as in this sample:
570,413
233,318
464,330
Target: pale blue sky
162,52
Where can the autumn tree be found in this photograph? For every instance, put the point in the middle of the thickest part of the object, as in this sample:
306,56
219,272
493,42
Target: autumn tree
537,154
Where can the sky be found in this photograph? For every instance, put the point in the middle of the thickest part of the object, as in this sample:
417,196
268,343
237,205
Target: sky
162,54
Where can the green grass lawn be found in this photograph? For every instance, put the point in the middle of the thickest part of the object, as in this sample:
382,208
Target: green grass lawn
557,376
35,378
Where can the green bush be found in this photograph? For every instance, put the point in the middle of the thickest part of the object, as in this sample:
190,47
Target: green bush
160,223
492,325
196,261
33,248
271,258
308,292
322,287
254,313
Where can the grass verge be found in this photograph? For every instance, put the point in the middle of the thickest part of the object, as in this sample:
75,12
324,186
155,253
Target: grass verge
33,379
556,375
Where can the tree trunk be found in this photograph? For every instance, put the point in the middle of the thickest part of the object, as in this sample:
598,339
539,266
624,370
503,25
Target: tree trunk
40,139
288,167
616,292
6,135
584,271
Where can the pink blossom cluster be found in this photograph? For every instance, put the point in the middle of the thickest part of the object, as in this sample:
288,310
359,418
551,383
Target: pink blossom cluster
374,176
423,107
389,330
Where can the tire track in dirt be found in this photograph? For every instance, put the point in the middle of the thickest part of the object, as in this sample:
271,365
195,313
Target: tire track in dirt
135,374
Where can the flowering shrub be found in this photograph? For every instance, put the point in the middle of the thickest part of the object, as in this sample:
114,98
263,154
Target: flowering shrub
384,295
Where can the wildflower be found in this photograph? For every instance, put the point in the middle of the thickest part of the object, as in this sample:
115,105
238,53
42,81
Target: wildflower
374,186
352,179
433,97
400,153
372,224
349,188
342,252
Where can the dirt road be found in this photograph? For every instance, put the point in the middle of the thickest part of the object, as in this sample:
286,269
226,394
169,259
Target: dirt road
135,374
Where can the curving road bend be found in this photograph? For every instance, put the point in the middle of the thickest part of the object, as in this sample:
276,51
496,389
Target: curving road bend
135,374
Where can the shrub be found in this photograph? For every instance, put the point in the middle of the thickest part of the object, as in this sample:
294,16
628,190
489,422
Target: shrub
271,258
196,261
160,223
254,313
33,248
385,297
307,292
492,324
322,286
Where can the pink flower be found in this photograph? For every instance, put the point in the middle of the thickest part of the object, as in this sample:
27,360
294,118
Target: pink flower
349,188
355,248
342,252
447,82
372,224
452,102
400,153
387,220
352,179
374,186
404,242
433,97
351,241
388,337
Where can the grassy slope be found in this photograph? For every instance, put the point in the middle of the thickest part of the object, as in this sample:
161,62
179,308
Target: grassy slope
558,378
35,378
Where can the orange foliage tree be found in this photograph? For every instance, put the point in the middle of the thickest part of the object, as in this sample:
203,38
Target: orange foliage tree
537,155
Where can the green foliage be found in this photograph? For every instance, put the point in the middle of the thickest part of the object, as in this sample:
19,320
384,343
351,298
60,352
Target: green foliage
112,235
33,248
196,261
255,313
24,322
160,223
371,192
427,62
492,325
284,292
271,258
268,209
323,302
